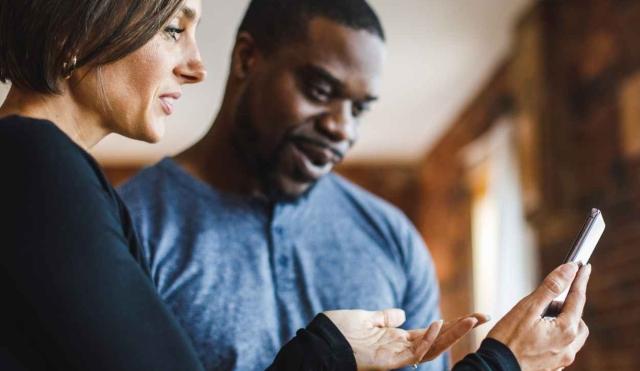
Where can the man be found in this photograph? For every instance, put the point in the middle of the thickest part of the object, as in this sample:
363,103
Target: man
248,234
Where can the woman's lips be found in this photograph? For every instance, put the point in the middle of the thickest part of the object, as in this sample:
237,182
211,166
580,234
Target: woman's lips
167,102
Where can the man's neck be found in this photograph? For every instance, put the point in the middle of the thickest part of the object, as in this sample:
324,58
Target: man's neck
216,161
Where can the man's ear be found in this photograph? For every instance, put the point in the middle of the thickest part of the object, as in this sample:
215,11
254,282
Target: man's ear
245,56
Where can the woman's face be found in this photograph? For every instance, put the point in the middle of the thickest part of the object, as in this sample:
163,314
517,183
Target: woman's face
136,94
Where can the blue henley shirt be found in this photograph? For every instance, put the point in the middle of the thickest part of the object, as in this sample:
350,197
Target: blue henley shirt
242,275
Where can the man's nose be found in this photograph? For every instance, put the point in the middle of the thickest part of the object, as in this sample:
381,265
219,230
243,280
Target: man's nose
338,123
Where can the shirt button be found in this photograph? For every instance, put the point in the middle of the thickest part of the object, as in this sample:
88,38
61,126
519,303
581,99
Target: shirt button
283,261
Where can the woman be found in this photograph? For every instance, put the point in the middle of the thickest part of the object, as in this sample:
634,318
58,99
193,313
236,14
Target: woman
76,296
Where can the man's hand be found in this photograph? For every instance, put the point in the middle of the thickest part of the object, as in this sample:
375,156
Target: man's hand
547,343
378,344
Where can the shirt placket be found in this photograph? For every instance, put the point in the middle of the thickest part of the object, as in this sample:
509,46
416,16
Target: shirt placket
282,240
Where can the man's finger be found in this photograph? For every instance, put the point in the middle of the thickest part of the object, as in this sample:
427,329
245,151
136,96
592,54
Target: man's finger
552,286
574,304
388,318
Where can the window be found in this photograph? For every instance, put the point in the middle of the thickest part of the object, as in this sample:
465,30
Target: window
505,264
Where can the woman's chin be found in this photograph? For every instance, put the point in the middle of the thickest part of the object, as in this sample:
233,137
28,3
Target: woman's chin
155,131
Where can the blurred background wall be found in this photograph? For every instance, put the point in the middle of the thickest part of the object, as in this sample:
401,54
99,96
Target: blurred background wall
502,123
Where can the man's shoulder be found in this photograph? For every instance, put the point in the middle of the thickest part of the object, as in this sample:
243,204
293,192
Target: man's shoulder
145,176
377,218
145,187
346,191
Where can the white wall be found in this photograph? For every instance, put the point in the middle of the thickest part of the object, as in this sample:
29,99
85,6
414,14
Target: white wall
440,54
4,89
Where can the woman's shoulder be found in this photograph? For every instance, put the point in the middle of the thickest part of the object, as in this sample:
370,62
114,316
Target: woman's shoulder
21,134
34,150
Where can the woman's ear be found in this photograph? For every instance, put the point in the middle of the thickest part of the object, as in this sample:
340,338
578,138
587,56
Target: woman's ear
245,55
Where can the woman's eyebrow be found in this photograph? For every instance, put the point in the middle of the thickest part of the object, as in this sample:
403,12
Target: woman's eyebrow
189,13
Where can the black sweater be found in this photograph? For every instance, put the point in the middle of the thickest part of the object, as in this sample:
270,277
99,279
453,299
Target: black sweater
76,294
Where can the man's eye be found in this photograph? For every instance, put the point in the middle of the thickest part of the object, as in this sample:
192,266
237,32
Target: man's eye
173,32
318,92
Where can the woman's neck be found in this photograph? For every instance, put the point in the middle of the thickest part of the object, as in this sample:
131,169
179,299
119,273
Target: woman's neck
83,127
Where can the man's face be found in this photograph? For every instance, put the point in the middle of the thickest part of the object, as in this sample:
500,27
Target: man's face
299,113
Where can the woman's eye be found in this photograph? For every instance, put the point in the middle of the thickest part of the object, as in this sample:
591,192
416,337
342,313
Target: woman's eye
358,109
173,32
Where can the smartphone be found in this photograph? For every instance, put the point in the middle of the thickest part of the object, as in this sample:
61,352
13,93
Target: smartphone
580,252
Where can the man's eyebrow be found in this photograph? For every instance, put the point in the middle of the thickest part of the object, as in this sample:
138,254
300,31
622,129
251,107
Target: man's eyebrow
322,73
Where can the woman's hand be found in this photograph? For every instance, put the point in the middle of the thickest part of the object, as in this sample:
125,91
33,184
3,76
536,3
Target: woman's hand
547,343
378,344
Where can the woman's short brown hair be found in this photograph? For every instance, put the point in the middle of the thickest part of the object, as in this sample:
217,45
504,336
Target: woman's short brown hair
39,38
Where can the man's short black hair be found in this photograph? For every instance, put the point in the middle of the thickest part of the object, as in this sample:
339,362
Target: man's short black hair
274,23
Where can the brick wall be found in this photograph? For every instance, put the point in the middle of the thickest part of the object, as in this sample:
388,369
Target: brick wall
573,88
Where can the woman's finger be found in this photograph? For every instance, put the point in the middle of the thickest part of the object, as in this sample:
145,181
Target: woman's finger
481,319
574,304
552,286
388,318
451,337
427,341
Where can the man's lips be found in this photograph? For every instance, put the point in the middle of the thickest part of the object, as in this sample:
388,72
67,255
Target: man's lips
167,101
306,168
319,154
313,159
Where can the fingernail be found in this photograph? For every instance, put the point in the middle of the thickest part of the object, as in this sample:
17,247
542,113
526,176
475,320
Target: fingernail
588,268
571,265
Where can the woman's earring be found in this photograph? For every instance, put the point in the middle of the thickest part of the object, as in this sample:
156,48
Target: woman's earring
69,67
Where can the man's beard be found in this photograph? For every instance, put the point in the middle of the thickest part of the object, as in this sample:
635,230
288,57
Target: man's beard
245,141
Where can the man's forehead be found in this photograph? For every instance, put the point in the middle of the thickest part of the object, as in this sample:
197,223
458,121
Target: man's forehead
340,49
321,31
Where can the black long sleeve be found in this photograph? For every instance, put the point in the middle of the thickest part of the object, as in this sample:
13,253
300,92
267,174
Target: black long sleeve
74,295
492,356
320,346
